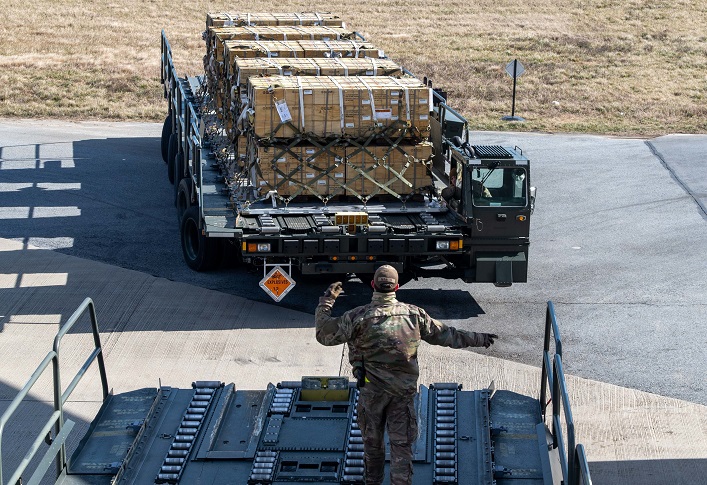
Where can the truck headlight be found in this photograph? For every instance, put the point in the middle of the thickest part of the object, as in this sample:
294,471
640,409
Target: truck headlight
449,245
259,247
442,245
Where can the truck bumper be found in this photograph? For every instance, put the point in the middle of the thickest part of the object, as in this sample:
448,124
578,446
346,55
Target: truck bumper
501,269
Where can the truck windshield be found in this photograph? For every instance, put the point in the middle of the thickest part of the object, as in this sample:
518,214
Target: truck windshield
502,186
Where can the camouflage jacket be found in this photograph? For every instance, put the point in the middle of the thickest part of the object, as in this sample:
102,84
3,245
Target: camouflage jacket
384,335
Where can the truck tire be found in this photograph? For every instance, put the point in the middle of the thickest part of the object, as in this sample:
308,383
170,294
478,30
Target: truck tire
172,149
183,198
166,133
200,252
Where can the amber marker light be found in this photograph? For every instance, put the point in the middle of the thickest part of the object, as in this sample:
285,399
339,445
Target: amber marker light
521,218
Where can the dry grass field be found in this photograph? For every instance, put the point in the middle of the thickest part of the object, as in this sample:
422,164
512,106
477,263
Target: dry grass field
628,67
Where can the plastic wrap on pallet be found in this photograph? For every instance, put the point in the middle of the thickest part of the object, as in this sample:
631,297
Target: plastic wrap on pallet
221,19
327,106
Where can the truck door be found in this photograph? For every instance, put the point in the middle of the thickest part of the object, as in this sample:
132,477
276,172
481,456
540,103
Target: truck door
499,198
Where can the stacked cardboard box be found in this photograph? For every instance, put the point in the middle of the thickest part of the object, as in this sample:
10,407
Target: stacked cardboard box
323,117
264,18
219,35
298,170
326,106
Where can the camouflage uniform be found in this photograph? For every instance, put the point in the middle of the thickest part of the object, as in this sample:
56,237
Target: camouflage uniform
384,336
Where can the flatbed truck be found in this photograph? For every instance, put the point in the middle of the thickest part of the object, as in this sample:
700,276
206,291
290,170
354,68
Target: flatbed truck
472,223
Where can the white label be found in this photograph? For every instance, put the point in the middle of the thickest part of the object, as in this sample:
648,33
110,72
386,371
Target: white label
279,176
394,118
369,73
287,73
228,23
281,160
310,151
307,91
263,182
423,100
291,183
337,159
338,175
309,175
394,93
366,118
321,182
365,101
393,101
283,110
274,54
424,117
349,125
384,114
381,54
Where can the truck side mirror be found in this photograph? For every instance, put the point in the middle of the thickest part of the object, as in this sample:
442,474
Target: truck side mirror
533,190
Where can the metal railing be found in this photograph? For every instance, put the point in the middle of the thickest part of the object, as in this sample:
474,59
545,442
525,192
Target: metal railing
573,461
57,448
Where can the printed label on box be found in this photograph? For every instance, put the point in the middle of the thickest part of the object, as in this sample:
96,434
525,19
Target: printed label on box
307,91
394,93
283,110
369,73
309,175
424,117
365,101
281,160
273,54
423,100
366,118
321,182
384,114
393,101
349,125
310,151
338,175
287,73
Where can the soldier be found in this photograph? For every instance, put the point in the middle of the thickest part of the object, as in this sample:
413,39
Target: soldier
383,338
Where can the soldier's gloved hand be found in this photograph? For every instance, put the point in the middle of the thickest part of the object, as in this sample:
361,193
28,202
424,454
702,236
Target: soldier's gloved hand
488,339
334,290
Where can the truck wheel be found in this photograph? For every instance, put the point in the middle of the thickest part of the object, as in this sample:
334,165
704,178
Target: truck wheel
166,133
171,154
183,198
200,252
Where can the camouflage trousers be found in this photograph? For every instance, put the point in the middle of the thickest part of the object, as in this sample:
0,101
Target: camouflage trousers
377,410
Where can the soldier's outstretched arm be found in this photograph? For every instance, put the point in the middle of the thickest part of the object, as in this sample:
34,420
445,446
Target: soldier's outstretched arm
330,330
435,332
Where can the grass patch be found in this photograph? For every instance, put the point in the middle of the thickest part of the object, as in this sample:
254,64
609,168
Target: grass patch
632,67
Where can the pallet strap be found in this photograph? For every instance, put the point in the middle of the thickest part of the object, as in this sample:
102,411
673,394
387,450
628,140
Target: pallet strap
370,97
346,68
301,101
267,51
341,102
407,97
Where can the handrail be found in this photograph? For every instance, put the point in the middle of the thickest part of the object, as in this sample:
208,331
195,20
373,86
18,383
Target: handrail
581,467
57,417
573,461
551,330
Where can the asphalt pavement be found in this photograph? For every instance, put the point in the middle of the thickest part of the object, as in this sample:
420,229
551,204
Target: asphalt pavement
618,242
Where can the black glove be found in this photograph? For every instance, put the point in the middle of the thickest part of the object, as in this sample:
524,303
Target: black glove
488,339
334,290
360,375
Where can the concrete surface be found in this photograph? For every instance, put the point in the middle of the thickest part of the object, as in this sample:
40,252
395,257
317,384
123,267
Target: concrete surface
616,241
623,260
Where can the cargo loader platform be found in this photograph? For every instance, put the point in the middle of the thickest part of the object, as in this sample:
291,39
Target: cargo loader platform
303,431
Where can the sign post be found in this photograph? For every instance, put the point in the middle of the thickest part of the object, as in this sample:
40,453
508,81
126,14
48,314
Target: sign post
514,69
277,283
